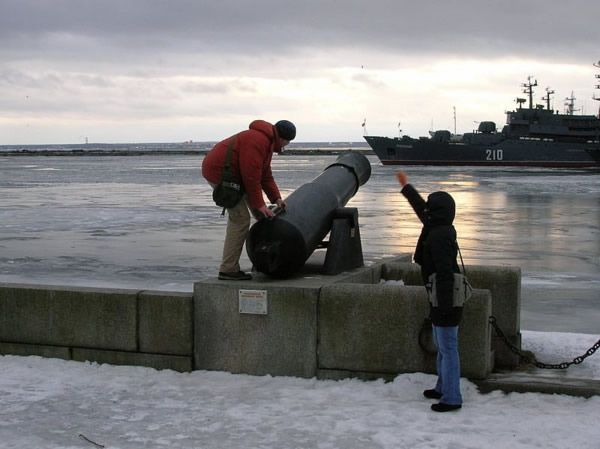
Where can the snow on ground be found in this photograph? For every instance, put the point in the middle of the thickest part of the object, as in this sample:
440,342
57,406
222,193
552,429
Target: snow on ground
49,403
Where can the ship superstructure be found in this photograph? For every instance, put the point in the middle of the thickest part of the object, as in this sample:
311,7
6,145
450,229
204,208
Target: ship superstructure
533,135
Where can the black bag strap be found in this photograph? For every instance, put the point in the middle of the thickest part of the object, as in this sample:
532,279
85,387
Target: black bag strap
461,259
227,165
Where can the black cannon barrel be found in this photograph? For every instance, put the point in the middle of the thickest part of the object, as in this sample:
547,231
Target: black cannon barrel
280,246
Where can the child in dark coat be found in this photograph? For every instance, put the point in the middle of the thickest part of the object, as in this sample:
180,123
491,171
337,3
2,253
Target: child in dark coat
436,253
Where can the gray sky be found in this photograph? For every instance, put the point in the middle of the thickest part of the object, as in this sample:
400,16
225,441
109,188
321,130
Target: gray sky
132,70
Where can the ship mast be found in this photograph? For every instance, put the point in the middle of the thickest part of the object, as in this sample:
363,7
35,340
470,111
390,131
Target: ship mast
547,97
597,64
529,90
570,104
454,108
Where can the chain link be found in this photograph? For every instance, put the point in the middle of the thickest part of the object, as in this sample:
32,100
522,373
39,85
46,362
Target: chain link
531,358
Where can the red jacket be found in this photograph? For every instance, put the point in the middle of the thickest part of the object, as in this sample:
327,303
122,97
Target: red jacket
250,162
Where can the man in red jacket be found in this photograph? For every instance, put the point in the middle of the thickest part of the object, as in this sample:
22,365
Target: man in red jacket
251,165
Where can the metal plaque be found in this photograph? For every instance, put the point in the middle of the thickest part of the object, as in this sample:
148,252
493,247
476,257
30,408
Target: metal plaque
253,301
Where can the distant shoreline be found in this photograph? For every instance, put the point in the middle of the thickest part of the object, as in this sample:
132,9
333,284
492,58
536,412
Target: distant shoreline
163,152
54,153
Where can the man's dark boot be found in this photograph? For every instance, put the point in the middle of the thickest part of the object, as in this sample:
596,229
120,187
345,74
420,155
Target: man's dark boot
235,276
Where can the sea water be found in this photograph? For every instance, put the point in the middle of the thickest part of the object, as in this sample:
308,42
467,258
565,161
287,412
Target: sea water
148,222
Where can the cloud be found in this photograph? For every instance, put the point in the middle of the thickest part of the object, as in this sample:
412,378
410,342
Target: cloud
140,28
327,63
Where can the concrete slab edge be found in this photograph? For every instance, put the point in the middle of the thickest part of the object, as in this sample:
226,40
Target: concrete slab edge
527,383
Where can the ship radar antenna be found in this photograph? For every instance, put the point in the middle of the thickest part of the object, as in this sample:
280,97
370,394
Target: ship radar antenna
570,104
547,97
529,89
364,125
520,102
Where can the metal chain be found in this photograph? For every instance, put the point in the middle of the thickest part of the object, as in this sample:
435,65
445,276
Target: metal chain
531,358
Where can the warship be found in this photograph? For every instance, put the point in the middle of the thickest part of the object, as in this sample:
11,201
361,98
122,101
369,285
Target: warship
534,136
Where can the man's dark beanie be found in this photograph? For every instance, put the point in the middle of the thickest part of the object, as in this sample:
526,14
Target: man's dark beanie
286,129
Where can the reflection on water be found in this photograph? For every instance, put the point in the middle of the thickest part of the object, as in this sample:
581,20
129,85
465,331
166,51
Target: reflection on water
149,222
503,218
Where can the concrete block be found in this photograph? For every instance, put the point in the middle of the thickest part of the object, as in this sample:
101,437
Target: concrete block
505,285
364,275
373,273
375,329
409,273
156,361
165,322
53,352
505,358
68,316
371,328
282,342
503,282
475,337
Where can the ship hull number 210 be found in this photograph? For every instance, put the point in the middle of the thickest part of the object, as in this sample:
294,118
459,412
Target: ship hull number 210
494,155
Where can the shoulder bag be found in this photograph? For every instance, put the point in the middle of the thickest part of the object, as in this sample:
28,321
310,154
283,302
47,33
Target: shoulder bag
461,291
229,191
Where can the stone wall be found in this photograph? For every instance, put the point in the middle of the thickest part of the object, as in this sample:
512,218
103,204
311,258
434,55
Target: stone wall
122,327
349,325
504,284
